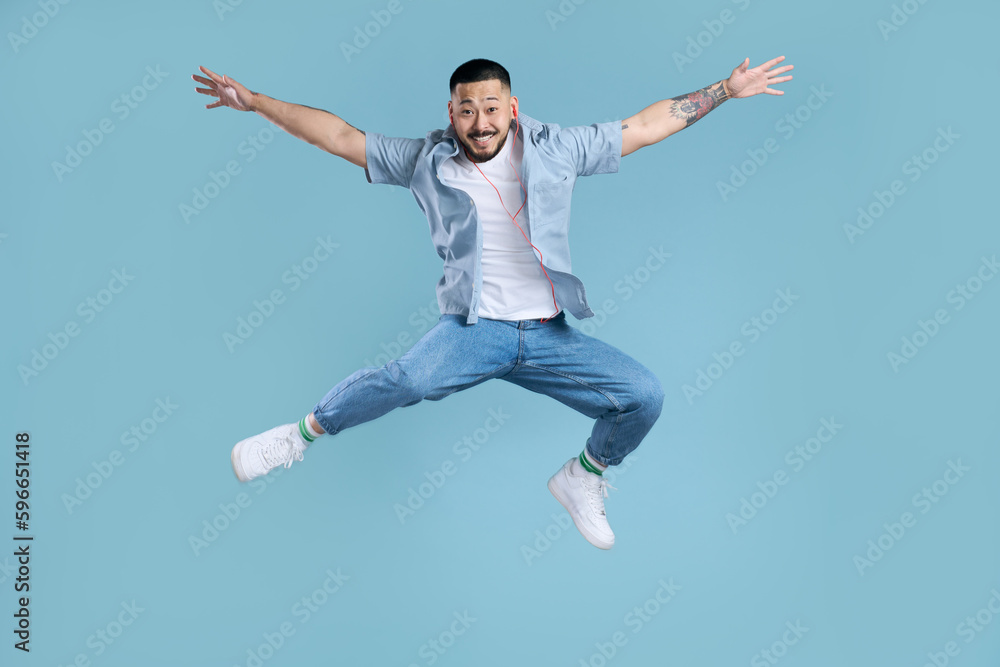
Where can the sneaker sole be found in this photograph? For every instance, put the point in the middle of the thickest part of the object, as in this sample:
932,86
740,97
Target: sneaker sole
556,491
237,468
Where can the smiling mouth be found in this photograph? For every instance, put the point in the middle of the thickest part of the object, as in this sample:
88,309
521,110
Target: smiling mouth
482,141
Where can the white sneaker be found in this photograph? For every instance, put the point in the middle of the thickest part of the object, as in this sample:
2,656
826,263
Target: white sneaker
262,453
582,493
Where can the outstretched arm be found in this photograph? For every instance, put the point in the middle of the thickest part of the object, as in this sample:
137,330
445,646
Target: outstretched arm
658,121
315,126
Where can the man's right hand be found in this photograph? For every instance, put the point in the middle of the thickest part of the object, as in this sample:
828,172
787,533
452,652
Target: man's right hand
230,93
320,128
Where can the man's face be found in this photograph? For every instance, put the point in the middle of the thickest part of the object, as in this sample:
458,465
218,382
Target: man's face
482,109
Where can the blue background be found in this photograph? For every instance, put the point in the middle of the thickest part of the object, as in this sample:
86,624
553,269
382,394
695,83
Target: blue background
490,542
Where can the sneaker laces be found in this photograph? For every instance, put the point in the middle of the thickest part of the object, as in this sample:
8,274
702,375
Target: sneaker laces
281,451
597,490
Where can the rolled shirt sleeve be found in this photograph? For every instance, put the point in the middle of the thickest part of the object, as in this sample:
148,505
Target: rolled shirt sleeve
594,149
391,160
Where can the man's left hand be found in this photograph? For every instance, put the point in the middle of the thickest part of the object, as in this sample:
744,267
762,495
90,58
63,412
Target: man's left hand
745,82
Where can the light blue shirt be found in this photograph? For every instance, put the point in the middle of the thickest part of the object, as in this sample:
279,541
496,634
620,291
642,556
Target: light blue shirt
553,158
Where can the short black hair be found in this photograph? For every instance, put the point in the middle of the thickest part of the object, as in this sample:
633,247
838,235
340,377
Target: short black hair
479,69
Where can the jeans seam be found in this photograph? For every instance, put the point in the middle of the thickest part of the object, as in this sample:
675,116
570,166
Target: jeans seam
490,373
606,454
357,379
618,406
520,351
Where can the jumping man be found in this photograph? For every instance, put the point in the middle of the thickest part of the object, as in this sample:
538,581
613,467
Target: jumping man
495,186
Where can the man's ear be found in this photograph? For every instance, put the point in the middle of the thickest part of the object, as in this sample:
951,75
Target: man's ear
451,118
513,106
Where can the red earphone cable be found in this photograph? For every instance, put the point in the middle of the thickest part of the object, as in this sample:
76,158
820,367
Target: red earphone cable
540,258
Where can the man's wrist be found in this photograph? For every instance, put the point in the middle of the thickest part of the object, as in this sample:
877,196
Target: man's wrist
255,101
725,87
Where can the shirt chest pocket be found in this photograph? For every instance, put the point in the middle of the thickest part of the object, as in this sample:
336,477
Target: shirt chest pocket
550,203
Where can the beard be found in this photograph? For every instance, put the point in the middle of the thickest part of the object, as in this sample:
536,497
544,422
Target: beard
484,155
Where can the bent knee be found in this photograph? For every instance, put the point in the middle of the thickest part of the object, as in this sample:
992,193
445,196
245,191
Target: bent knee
648,394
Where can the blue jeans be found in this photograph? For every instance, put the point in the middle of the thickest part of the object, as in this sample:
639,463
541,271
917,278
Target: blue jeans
553,358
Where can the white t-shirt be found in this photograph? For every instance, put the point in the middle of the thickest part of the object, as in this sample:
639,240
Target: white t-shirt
514,286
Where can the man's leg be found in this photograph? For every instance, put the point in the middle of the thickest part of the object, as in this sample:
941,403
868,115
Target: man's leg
599,380
452,356
594,378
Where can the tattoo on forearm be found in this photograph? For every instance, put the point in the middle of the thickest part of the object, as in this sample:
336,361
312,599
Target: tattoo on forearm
624,126
693,106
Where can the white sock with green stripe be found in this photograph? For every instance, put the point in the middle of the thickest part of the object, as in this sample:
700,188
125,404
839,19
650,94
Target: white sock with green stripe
590,464
307,432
